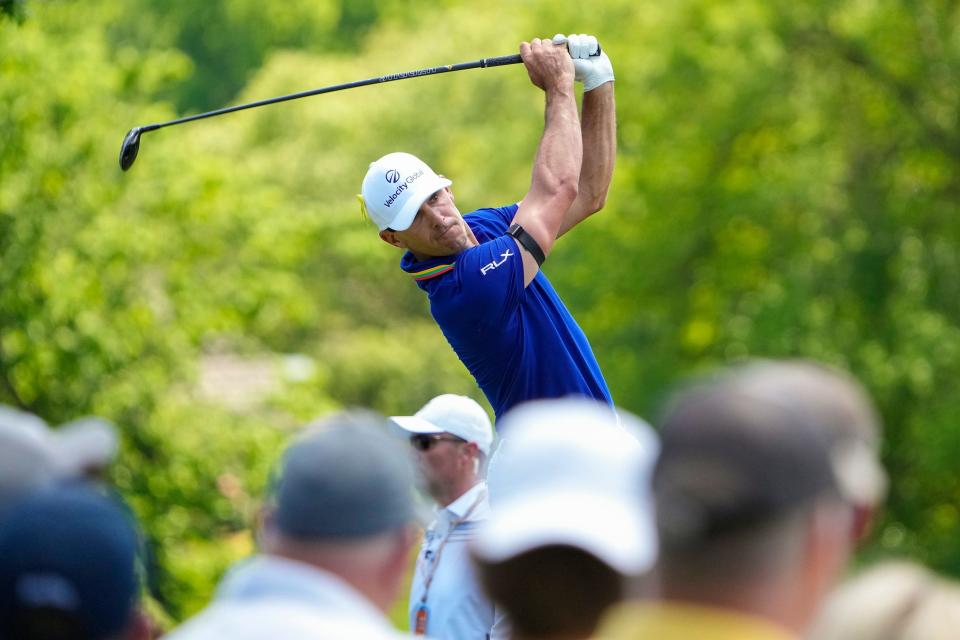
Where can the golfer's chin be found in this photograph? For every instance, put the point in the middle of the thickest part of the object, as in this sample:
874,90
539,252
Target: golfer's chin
444,246
454,243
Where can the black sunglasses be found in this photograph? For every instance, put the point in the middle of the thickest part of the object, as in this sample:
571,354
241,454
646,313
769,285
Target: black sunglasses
426,441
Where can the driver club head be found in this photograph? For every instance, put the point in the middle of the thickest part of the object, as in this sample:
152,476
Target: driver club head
129,148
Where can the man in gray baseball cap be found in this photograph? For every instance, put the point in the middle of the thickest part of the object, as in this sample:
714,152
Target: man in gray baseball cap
752,509
838,405
335,543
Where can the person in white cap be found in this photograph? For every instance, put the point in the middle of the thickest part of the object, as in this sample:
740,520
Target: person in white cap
571,519
30,456
452,436
482,271
34,456
92,445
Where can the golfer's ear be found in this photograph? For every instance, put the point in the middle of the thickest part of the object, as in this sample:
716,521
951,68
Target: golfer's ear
473,449
447,188
390,237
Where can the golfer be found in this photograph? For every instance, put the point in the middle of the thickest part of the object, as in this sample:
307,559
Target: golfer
481,271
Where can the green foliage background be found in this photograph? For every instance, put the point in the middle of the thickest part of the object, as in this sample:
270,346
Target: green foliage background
787,185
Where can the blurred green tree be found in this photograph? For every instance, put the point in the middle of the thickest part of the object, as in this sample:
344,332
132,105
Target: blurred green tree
787,186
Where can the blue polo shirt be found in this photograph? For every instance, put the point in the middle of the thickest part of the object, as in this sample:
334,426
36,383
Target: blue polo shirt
520,343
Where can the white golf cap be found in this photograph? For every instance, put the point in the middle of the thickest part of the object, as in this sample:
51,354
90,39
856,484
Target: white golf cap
30,457
89,442
572,473
394,188
457,415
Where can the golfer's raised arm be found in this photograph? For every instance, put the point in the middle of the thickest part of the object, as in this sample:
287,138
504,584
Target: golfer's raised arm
556,169
598,123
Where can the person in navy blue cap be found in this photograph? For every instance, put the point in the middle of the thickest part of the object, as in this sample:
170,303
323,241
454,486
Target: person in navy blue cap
68,568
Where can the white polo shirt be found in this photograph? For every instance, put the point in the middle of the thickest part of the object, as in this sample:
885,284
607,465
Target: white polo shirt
268,598
456,606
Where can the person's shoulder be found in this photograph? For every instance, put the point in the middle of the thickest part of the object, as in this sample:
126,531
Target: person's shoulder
684,620
504,212
208,623
491,220
277,617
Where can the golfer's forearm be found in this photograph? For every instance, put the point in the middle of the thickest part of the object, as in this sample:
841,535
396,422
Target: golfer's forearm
599,130
556,170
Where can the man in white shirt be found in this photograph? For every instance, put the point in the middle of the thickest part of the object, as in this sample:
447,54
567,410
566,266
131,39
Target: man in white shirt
452,436
335,545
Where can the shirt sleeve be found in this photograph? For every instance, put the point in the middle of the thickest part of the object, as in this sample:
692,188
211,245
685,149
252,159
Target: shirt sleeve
491,222
505,214
491,276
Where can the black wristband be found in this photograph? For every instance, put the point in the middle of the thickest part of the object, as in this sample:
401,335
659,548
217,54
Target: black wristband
527,242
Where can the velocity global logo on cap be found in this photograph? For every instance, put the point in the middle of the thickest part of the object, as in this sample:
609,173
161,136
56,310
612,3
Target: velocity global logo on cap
403,186
394,188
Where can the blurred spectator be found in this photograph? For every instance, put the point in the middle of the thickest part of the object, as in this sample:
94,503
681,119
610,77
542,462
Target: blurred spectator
754,529
452,436
840,407
67,568
335,544
30,457
91,445
892,601
571,516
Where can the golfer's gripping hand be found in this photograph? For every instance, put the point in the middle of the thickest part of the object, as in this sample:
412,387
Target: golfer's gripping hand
592,66
548,65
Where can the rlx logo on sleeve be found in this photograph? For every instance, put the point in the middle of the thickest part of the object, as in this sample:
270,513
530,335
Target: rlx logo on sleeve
495,263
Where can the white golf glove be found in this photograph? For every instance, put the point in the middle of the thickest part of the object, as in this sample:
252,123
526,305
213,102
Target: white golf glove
590,68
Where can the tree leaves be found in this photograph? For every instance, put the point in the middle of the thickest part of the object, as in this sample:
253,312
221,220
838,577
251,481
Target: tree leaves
786,186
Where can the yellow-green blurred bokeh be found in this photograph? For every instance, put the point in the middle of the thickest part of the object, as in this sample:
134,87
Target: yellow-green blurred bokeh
787,184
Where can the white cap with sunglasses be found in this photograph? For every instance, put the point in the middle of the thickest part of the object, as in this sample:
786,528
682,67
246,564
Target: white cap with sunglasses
458,416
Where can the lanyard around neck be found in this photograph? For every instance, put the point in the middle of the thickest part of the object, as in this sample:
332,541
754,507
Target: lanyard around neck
428,578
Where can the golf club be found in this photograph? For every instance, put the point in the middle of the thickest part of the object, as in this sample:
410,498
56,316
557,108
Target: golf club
131,142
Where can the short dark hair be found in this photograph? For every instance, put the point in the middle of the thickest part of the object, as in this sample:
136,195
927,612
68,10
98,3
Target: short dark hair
555,589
